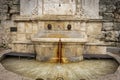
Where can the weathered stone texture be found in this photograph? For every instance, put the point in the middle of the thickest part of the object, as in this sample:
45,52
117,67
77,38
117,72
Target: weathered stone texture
8,8
107,29
110,11
7,75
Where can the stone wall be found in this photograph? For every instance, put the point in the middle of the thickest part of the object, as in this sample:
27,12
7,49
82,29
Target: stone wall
8,9
110,12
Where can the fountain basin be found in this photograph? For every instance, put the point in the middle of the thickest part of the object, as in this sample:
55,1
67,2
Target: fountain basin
48,51
91,69
71,48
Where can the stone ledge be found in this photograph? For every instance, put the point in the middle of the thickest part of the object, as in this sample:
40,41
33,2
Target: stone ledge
22,42
116,57
47,17
57,40
7,75
96,44
59,18
116,75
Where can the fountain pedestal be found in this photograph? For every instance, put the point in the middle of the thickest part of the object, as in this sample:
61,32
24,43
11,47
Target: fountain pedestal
47,49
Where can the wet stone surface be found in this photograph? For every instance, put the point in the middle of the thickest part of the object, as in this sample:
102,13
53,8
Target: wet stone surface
7,75
86,69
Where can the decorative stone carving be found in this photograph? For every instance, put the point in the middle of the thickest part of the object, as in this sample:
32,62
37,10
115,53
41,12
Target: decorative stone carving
79,9
35,10
28,7
59,7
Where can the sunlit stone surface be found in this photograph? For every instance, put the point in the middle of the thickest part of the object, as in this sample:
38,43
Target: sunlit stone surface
84,70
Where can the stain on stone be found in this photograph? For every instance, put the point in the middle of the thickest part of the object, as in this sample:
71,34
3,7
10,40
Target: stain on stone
59,52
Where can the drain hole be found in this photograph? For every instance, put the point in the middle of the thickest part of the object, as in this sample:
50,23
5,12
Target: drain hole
39,79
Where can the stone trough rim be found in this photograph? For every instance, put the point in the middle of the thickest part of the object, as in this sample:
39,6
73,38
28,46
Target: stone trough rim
115,57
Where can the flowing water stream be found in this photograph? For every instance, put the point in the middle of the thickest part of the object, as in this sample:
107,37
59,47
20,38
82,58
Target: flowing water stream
84,70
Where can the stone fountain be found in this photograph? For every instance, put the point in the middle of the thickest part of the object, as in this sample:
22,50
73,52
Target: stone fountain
40,28
59,31
47,44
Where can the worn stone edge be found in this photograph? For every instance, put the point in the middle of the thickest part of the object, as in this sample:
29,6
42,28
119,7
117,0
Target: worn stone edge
117,58
116,75
16,75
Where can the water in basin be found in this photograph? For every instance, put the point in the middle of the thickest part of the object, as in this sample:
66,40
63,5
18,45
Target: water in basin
83,70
